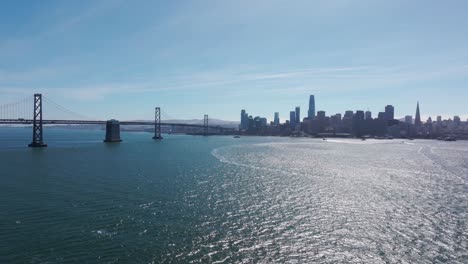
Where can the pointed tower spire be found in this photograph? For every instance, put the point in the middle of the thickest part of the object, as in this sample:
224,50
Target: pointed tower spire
417,121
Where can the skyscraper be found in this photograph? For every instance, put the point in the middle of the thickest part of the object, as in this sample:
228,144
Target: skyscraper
417,121
292,119
389,112
276,120
298,114
244,120
311,113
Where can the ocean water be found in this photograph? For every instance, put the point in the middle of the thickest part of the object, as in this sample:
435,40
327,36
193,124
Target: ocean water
190,199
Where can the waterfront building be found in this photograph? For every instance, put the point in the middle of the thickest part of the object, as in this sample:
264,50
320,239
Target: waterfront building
358,123
244,120
439,119
311,112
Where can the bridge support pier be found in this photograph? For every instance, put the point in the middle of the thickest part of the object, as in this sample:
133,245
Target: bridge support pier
157,123
112,131
37,139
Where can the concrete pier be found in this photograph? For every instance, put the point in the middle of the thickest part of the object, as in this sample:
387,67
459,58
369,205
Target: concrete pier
112,131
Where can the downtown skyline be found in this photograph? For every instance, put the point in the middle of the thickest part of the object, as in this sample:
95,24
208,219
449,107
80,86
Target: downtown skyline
118,59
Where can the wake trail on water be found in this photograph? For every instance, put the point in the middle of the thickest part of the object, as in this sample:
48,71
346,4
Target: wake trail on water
216,153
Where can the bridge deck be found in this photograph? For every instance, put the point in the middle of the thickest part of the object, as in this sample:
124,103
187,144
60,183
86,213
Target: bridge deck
99,122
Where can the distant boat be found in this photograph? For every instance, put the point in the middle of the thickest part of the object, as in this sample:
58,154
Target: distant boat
236,136
363,139
449,139
324,139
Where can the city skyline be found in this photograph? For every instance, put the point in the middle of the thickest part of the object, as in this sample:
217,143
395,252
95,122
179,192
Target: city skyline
368,114
355,123
116,58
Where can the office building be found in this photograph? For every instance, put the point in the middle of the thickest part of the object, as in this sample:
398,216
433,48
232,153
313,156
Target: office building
311,112
298,115
276,119
244,120
389,112
368,115
292,119
320,114
409,119
381,116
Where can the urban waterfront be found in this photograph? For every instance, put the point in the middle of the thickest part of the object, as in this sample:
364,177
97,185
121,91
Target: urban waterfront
219,199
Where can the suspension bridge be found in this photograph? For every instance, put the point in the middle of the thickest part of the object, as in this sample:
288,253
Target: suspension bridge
19,113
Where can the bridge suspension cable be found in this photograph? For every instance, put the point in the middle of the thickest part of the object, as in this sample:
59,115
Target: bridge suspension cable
16,110
166,116
63,110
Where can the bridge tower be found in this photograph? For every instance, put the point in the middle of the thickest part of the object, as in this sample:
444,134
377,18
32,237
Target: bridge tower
157,123
205,125
37,139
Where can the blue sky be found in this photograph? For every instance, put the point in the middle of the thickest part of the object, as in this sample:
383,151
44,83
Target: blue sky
120,59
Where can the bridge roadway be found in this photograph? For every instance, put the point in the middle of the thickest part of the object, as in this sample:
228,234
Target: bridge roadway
97,122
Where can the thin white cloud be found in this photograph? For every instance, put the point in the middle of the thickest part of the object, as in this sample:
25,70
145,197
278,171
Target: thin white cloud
338,79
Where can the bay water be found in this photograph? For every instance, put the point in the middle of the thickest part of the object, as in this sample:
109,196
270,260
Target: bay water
217,199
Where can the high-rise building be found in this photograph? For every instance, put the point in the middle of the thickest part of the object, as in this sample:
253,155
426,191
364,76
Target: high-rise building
358,123
457,120
389,112
321,115
276,120
368,115
298,114
292,119
335,120
439,119
359,115
244,120
417,121
409,119
349,114
311,113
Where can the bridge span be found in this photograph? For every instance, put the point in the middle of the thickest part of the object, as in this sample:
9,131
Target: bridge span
112,126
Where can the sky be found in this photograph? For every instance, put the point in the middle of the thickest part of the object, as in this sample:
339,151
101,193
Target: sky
120,59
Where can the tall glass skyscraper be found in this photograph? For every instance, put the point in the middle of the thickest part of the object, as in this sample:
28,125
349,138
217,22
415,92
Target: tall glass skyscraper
311,113
276,120
292,119
298,114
